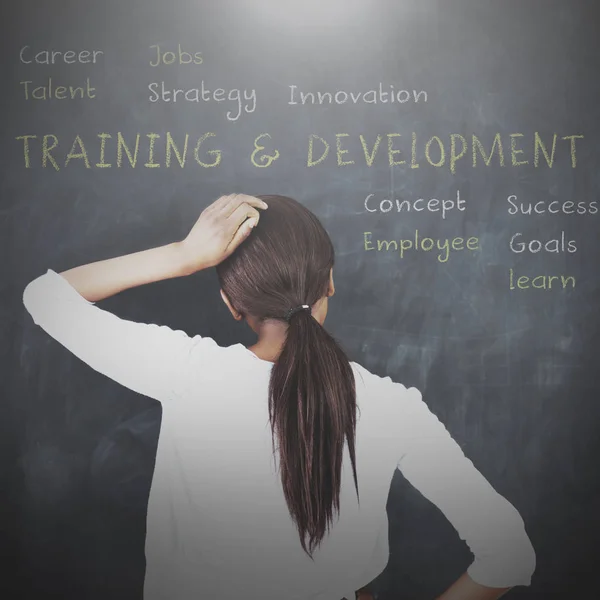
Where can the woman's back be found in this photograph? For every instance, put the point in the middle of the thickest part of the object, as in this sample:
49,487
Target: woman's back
217,517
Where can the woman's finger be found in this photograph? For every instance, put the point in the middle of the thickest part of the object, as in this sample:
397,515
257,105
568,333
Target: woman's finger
227,207
241,213
238,199
243,220
217,206
241,234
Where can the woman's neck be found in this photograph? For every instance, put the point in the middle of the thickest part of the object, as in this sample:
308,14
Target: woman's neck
271,337
265,351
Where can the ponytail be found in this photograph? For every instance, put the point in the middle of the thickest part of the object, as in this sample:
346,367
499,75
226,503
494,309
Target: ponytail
287,261
312,411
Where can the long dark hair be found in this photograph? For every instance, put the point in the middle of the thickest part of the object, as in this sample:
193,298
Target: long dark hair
284,263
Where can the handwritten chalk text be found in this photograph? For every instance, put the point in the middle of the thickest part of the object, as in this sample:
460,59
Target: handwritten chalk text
494,150
381,95
425,244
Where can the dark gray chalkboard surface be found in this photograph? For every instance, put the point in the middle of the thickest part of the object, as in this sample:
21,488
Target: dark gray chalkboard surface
480,286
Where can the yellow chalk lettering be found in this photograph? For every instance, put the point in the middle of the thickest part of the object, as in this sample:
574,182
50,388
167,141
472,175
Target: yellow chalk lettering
539,282
367,241
514,150
446,247
387,243
46,156
404,245
430,244
538,144
392,152
25,85
310,162
216,153
442,160
477,145
265,159
103,137
26,139
413,152
172,147
341,152
369,158
453,156
74,91
90,89
151,164
573,138
81,154
122,146
39,93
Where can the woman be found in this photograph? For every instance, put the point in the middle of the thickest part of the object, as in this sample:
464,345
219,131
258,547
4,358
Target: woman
274,462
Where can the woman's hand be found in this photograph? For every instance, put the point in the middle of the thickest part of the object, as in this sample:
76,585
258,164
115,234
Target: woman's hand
220,229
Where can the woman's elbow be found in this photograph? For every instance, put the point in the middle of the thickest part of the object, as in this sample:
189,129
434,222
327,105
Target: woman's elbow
506,562
517,563
528,559
522,552
515,550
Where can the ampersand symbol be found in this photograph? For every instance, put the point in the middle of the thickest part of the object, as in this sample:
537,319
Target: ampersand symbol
264,160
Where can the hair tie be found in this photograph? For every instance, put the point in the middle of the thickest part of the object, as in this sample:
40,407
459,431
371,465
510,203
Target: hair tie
290,313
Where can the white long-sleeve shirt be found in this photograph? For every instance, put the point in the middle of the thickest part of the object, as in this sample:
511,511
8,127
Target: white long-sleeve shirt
217,524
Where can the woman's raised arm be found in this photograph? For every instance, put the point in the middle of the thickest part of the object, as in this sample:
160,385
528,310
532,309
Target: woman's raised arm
149,359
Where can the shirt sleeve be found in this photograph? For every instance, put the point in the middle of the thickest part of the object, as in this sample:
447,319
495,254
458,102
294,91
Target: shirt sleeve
149,359
433,462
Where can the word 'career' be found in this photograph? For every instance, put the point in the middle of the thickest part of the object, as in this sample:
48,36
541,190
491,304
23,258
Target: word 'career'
52,57
158,150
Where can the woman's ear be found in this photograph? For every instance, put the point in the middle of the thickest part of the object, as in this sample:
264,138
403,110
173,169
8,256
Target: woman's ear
236,315
331,290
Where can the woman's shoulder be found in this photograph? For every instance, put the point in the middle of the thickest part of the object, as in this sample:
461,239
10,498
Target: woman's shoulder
388,408
381,386
369,378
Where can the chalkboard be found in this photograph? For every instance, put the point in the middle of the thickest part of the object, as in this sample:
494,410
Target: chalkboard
450,149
